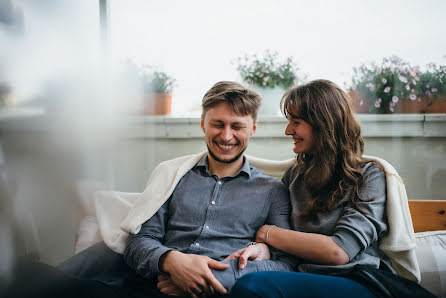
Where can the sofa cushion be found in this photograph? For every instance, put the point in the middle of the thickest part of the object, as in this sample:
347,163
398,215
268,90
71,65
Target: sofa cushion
431,256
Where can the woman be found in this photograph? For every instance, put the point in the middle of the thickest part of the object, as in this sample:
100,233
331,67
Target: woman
338,203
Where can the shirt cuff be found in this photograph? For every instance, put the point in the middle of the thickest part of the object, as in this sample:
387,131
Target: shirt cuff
347,242
155,266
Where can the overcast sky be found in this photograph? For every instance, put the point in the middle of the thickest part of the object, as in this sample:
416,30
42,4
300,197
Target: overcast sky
196,41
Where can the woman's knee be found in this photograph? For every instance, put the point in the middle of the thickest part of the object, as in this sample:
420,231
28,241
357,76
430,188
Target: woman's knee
257,284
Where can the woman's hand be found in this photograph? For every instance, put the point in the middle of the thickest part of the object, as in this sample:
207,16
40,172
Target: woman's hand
255,252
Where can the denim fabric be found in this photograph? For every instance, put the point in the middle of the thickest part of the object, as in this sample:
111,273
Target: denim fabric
297,284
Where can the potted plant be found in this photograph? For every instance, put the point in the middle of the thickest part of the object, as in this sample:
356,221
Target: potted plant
154,85
394,86
268,76
157,88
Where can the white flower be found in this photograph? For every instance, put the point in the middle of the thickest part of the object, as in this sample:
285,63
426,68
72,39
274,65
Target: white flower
391,109
414,82
403,79
407,87
395,98
384,80
377,104
412,97
379,100
387,89
434,90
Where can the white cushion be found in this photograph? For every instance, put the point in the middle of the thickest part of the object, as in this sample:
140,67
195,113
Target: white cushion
431,256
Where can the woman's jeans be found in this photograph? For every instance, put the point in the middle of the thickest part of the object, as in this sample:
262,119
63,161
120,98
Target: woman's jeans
297,284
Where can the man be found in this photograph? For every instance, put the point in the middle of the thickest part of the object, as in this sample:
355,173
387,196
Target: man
214,210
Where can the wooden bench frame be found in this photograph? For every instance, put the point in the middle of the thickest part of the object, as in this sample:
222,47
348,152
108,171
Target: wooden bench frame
428,215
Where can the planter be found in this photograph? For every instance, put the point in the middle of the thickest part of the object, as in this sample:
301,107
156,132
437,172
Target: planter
358,101
157,104
404,106
271,98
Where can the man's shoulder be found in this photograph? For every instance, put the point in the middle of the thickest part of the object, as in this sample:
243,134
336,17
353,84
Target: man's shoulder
258,176
182,159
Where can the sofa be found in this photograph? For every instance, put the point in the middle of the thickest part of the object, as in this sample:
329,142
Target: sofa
428,219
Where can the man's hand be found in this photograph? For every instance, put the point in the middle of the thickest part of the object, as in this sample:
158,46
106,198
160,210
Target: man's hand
192,274
256,252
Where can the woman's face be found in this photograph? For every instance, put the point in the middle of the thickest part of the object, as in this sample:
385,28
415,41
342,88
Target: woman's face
302,134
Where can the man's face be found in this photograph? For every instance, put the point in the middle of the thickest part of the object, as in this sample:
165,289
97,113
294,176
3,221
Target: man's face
226,133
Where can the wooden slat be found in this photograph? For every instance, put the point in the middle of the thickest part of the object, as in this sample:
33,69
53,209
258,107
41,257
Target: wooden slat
428,215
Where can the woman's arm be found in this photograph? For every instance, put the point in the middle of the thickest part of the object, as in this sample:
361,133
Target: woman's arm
313,247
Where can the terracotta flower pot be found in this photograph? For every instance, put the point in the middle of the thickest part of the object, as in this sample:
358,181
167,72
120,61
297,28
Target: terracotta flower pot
157,104
438,105
360,105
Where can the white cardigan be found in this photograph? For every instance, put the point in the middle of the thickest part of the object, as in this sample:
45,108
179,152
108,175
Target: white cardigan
119,213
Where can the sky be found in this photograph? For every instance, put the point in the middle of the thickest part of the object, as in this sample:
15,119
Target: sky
197,41
46,41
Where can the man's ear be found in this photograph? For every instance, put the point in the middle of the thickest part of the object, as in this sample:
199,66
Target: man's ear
202,123
254,128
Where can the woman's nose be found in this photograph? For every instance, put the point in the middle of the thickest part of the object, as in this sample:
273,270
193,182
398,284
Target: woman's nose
289,130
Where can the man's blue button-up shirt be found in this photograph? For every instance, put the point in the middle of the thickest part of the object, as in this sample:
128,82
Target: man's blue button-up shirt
214,217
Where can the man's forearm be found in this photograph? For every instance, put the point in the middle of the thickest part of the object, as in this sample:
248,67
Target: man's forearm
143,254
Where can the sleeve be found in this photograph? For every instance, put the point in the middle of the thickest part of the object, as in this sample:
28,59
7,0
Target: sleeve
355,231
144,250
279,215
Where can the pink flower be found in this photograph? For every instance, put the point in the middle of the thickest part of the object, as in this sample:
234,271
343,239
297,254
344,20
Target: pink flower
428,93
403,79
387,89
391,109
379,100
377,104
434,90
413,73
395,98
414,82
378,71
384,80
370,86
417,78
392,104
412,97
407,87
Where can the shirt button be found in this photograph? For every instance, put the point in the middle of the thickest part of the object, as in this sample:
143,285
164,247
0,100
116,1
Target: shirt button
219,182
207,227
213,202
197,244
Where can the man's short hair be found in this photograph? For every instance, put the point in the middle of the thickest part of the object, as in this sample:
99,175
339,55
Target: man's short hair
243,100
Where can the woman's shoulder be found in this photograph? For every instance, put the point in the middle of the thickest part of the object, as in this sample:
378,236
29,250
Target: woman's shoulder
290,174
373,168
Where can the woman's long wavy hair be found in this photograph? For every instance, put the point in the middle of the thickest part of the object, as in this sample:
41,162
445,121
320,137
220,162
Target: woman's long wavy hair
334,166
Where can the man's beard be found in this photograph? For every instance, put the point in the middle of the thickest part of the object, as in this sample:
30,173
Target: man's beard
225,161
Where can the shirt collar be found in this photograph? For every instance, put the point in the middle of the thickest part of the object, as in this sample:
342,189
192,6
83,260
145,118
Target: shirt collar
246,168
